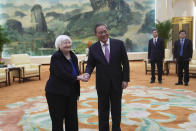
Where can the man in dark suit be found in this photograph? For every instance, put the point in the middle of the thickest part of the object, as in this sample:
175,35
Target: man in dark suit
183,51
156,54
109,56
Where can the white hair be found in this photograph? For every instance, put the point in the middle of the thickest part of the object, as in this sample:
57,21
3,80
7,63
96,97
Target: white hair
59,40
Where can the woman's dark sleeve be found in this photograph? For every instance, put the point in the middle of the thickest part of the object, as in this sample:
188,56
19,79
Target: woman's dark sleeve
59,71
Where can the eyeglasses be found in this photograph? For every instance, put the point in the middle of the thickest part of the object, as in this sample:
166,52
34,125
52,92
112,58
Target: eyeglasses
66,42
102,32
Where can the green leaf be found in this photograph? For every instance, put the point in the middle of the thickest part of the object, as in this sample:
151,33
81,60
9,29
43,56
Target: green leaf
164,30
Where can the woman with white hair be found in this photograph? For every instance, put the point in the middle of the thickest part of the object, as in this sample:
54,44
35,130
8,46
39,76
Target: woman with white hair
63,87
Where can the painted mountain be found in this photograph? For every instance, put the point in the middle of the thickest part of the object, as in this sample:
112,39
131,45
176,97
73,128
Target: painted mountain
33,25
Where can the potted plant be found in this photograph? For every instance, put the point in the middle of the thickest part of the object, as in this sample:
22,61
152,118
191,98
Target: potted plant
164,30
3,40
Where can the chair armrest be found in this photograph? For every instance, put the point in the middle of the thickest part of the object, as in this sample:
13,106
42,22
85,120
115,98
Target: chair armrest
193,62
34,65
167,59
2,70
19,66
146,60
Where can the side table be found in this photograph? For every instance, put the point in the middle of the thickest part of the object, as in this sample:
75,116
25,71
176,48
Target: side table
10,69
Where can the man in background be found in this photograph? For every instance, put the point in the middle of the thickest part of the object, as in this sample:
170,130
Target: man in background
156,54
183,51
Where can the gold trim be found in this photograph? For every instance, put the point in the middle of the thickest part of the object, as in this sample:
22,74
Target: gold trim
184,20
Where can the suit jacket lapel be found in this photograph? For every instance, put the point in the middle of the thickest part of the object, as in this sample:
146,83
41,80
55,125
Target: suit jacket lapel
152,42
111,49
179,44
185,42
101,51
158,41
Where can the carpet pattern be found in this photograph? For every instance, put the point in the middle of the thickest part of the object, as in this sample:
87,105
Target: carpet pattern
143,109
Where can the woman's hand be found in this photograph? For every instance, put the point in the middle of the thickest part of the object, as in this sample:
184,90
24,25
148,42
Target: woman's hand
84,77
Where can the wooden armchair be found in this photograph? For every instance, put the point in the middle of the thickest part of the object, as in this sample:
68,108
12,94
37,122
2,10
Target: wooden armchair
192,64
3,75
166,63
27,69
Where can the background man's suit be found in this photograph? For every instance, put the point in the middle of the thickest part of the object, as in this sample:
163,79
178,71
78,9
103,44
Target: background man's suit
109,77
156,54
183,61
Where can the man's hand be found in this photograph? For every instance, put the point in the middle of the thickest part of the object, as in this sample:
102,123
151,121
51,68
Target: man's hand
84,77
124,84
80,77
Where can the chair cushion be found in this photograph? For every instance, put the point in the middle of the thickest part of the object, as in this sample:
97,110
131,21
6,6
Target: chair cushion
193,62
2,76
192,68
194,55
167,54
20,59
29,71
2,70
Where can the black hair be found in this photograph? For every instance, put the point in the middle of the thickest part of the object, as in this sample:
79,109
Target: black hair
100,24
155,30
182,31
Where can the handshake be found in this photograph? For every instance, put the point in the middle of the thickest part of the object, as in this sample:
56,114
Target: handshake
84,77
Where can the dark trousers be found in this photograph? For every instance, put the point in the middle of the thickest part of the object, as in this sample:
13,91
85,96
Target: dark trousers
183,65
63,108
111,99
159,64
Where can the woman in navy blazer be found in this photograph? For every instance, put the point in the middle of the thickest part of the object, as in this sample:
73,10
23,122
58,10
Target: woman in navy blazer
63,87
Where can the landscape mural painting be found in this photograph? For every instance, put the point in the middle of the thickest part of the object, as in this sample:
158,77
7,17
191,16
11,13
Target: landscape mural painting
33,25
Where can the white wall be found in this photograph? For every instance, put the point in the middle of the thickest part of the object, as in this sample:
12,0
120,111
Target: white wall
160,9
183,8
167,9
